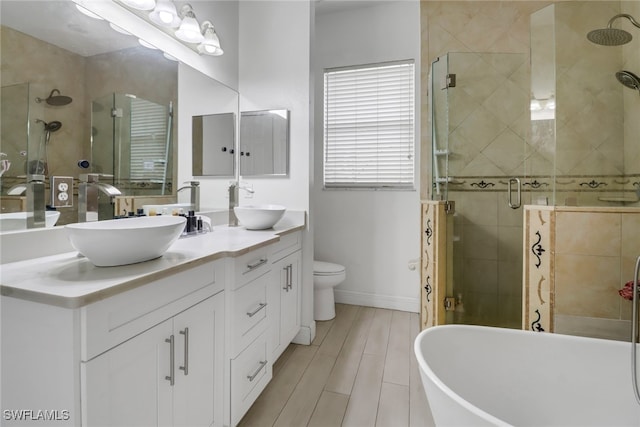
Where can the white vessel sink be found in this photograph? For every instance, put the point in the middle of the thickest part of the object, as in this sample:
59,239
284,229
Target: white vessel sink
125,241
259,217
18,220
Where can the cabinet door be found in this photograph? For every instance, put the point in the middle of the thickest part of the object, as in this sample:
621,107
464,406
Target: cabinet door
285,322
126,385
199,338
289,304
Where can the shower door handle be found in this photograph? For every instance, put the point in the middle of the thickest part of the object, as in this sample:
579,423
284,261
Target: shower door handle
518,202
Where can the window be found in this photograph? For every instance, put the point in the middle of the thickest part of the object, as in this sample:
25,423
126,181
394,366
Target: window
148,141
369,126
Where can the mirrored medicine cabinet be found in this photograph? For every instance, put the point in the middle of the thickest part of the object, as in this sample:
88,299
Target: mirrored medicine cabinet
263,144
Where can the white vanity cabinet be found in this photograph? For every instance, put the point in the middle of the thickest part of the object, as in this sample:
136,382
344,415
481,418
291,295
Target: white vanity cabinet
108,362
164,376
284,293
248,359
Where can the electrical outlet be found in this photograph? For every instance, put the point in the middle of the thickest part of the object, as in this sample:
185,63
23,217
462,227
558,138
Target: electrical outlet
61,191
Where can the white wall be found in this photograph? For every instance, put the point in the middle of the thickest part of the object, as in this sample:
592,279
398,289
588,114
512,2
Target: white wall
275,46
200,95
374,234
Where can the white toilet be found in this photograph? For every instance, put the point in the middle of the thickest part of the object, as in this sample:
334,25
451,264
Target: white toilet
326,276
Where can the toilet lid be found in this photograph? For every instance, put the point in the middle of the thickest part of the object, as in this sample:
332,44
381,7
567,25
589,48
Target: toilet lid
321,268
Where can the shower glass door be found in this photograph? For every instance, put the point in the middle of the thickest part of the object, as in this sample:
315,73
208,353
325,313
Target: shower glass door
132,140
480,123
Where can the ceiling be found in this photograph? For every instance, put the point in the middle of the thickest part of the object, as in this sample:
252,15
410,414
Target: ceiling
59,22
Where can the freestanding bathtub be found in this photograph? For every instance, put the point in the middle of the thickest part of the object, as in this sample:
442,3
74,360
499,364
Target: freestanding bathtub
477,375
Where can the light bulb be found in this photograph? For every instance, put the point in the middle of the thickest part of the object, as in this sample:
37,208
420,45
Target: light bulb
165,14
88,13
189,31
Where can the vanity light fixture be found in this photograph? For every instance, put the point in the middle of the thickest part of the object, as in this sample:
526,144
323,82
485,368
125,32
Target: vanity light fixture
118,29
189,30
147,44
165,14
211,43
88,12
140,4
170,57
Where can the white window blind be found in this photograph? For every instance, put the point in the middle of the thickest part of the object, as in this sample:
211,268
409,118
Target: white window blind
369,126
148,140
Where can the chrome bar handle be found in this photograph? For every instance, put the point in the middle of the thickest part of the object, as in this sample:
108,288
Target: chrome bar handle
257,264
290,267
171,377
286,281
251,377
634,330
185,368
260,307
519,202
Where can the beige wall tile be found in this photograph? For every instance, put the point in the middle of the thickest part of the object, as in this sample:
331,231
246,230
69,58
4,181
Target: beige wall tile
588,233
587,285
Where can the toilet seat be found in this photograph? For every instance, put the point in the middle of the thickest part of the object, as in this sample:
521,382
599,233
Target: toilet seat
321,268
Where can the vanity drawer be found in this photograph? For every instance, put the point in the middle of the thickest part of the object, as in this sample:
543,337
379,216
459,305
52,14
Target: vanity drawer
111,321
288,244
250,374
250,266
248,310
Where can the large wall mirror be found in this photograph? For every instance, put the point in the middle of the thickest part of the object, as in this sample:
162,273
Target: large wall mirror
263,144
118,109
117,88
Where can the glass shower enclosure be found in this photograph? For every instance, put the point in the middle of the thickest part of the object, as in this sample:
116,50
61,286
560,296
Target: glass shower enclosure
480,122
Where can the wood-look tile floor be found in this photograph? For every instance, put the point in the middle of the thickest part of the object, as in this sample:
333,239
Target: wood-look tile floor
359,371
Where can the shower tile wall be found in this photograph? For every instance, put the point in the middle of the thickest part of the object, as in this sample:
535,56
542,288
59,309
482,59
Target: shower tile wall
590,254
55,69
504,27
488,125
595,154
474,26
631,62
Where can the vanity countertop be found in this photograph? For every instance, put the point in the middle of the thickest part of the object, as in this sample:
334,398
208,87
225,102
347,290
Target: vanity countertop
71,281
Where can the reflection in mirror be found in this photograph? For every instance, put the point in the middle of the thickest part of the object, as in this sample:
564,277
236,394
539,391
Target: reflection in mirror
42,51
213,144
264,143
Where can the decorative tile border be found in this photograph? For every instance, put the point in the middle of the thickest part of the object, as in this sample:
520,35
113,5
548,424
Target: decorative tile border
433,264
539,238
427,307
565,183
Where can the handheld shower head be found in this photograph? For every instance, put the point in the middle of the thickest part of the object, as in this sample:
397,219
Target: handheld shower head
612,36
56,100
629,79
51,126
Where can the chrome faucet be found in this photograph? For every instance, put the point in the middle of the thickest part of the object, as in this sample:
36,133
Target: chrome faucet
88,195
234,196
194,186
35,199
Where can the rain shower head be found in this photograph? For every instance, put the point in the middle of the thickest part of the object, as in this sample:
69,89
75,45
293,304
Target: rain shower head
612,36
629,79
56,100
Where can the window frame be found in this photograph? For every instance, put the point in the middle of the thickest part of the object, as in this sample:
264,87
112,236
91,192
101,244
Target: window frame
410,135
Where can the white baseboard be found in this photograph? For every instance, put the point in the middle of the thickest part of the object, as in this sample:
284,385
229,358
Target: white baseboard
378,301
